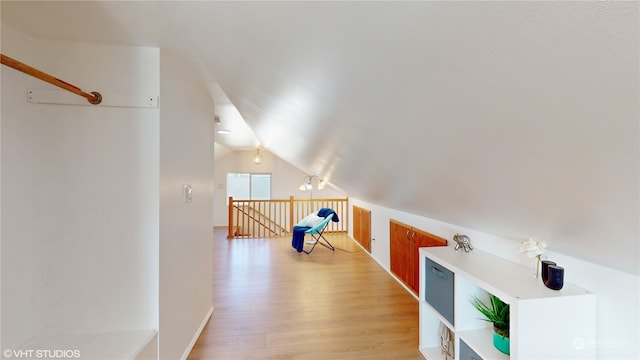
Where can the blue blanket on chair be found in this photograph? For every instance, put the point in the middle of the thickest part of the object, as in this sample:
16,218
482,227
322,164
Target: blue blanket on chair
298,237
324,212
298,231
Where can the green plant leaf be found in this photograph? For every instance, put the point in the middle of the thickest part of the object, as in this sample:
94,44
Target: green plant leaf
497,313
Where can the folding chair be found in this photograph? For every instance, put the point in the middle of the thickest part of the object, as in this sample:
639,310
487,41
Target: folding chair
316,234
309,226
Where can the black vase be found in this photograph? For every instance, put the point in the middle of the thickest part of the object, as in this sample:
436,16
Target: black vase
555,277
545,269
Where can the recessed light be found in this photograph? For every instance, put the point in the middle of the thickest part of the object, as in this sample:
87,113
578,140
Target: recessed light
224,132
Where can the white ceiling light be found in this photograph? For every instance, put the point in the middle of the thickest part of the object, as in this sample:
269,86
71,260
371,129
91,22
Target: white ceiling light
308,185
258,158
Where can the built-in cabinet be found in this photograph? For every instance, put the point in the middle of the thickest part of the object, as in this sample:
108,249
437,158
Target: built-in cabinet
545,323
362,227
404,243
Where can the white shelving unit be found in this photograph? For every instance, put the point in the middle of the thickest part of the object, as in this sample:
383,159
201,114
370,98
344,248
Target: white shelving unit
545,323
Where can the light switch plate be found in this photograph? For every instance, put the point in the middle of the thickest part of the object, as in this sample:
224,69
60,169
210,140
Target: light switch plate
186,194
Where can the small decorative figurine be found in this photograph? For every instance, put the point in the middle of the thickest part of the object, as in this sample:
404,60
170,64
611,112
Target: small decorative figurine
462,241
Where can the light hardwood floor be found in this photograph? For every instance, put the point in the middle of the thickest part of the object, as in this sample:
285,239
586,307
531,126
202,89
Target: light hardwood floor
271,302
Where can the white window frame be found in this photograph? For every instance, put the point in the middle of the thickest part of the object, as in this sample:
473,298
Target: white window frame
251,175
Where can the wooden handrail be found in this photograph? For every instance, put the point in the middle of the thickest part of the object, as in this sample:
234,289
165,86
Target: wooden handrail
258,218
291,214
230,218
94,97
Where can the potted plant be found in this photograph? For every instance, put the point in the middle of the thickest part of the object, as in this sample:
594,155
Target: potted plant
497,314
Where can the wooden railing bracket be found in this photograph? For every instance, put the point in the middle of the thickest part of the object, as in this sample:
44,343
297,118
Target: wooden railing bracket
97,98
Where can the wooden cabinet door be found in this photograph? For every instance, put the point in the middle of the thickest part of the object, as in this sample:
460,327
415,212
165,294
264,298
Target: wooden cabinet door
357,228
400,250
405,242
362,227
421,239
395,247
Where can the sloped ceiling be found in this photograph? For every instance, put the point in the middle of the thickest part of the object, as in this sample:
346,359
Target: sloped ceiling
520,119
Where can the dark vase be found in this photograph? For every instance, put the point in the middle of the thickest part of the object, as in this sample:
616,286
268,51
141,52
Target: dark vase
555,277
545,269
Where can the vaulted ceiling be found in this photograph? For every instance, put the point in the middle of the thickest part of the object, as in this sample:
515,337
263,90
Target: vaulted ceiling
520,119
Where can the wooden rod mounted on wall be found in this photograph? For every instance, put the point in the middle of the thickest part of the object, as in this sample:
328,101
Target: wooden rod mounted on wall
94,97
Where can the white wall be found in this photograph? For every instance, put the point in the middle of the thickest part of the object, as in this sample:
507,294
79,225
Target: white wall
285,180
96,199
618,293
17,201
96,238
186,157
79,194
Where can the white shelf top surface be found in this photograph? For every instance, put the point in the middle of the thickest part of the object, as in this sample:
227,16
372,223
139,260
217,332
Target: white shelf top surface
503,278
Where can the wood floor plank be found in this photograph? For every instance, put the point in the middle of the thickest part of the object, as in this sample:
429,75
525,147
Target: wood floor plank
271,302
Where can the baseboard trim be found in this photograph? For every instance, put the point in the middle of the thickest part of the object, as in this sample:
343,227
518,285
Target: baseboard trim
388,270
187,351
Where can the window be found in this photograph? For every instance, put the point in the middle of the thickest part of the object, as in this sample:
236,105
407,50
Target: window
260,186
247,186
